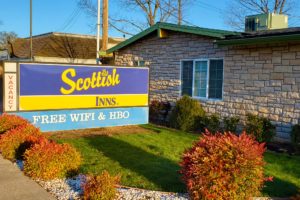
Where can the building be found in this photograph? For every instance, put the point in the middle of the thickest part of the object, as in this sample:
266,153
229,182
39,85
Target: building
58,47
231,73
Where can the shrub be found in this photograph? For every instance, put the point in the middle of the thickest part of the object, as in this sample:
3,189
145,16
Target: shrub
224,166
185,113
295,137
260,127
100,187
158,111
48,160
230,124
296,197
8,122
14,142
211,123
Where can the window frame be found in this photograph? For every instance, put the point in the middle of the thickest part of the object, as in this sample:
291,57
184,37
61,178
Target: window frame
137,63
207,78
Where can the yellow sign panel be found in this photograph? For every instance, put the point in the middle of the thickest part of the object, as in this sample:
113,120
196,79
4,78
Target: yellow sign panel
81,101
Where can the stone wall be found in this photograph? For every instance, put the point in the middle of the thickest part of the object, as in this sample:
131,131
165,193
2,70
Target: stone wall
260,79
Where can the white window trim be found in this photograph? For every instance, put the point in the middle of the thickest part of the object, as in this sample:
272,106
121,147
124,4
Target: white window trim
207,81
207,78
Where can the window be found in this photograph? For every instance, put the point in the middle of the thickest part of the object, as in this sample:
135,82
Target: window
187,78
202,78
139,63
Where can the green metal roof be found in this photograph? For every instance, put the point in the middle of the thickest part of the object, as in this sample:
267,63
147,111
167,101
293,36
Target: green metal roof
215,33
259,40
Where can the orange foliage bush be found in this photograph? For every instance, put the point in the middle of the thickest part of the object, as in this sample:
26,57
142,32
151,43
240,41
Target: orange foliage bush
224,166
101,187
48,160
8,122
15,141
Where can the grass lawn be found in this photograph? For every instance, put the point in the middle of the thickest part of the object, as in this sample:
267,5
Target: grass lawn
149,159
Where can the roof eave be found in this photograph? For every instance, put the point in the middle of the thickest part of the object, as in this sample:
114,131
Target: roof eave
259,40
217,34
203,32
133,39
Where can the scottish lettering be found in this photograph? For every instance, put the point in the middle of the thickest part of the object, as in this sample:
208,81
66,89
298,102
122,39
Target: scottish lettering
97,80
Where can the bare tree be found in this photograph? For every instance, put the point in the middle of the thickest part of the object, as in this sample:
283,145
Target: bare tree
239,9
68,47
6,39
152,10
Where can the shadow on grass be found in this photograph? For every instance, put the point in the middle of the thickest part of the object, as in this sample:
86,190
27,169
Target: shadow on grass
280,188
158,170
286,171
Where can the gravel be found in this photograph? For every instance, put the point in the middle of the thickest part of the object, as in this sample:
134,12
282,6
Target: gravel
64,189
20,164
70,189
134,193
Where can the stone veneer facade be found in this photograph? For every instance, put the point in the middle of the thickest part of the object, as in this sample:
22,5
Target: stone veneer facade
259,79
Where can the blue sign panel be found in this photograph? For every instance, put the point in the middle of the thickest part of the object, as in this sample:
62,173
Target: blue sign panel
88,118
39,79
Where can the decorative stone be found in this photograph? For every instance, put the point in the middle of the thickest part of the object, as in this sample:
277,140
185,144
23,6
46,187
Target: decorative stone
263,110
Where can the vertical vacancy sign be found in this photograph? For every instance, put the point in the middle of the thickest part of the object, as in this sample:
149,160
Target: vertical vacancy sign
10,89
64,97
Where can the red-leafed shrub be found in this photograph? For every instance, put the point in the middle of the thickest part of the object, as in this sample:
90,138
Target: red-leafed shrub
48,160
15,141
158,111
224,166
155,108
102,187
8,122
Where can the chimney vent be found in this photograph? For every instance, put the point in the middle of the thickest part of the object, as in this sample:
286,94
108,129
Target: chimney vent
268,21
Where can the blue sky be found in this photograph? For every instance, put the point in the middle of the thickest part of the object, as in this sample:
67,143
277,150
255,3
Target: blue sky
64,16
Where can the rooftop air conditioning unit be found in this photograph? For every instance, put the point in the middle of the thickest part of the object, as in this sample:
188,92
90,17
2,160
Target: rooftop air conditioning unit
268,21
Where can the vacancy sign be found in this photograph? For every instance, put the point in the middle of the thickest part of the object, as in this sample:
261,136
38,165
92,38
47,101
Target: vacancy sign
10,89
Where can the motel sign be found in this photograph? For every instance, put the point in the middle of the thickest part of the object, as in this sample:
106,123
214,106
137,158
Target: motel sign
65,97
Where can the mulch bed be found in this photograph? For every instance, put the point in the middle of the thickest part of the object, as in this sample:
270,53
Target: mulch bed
119,130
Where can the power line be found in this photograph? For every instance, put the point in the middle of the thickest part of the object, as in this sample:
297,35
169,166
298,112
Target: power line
211,7
71,20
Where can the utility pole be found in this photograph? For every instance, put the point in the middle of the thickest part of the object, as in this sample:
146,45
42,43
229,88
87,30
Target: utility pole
179,12
98,33
31,55
104,25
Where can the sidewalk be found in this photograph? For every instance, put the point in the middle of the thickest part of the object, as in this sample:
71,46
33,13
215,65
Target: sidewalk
14,185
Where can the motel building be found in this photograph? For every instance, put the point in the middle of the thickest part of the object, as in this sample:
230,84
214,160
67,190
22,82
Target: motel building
230,73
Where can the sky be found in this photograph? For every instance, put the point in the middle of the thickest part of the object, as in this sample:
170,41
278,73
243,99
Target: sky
65,16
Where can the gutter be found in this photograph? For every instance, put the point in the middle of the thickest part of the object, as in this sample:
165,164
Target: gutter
259,40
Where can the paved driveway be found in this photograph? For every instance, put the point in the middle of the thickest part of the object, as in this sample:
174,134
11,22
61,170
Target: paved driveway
14,185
